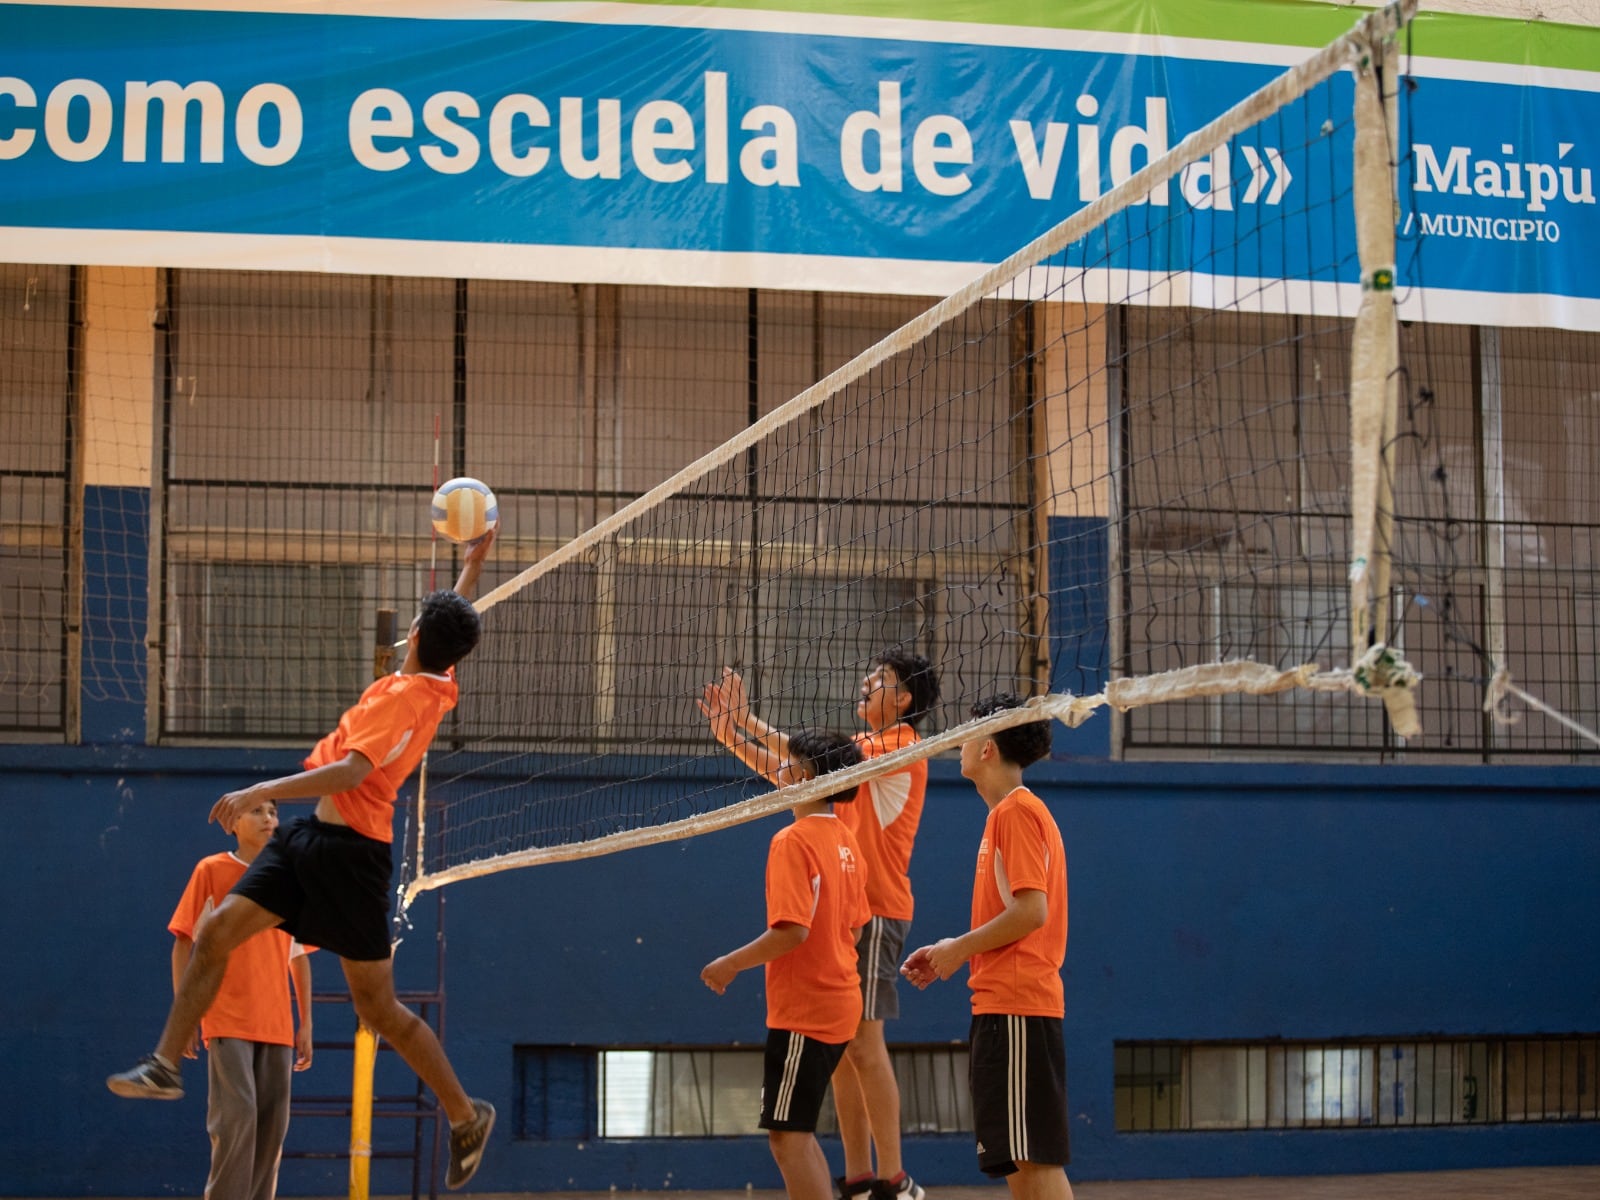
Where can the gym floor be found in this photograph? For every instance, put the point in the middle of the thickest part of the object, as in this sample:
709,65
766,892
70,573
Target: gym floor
1523,1183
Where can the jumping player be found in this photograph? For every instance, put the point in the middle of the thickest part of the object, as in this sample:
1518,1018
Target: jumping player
325,878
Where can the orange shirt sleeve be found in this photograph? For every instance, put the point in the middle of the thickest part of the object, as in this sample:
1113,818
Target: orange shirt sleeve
792,876
192,904
1021,840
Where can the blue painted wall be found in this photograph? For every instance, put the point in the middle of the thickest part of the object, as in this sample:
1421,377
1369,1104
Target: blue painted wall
1223,902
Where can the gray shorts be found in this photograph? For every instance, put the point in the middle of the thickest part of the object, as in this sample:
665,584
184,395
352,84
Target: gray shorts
878,959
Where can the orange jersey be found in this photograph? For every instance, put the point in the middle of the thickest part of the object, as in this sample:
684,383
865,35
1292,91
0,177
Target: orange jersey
253,1003
884,817
814,879
1021,850
391,725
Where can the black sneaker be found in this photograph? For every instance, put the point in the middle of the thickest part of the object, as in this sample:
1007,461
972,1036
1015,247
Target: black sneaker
147,1081
848,1189
906,1189
467,1143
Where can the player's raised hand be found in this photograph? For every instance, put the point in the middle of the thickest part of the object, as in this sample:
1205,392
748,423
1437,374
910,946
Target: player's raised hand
715,705
472,565
738,700
478,550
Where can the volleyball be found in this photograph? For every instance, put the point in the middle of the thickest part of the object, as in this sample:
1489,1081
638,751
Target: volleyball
464,509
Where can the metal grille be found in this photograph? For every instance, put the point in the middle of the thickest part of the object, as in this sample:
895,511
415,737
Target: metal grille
35,463
1497,529
696,1093
1162,1086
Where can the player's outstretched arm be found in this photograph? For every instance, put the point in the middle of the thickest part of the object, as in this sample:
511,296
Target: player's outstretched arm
759,746
771,739
472,566
314,784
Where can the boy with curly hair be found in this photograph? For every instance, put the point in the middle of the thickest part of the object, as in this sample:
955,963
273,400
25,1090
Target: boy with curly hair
1018,940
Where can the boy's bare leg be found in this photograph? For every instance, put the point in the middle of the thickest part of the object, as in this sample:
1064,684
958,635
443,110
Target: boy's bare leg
855,1130
869,1111
802,1164
372,990
235,920
1039,1181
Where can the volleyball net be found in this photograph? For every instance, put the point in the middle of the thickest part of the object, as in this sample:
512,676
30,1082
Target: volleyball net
1147,461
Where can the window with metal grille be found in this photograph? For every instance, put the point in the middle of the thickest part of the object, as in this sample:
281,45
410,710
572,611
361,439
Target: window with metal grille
703,1092
36,498
1234,466
1167,1086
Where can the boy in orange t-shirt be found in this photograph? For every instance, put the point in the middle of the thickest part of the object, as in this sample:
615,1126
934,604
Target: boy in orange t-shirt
898,692
250,1036
1016,945
325,878
816,904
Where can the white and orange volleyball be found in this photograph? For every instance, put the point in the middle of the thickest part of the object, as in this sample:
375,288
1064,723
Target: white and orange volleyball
464,509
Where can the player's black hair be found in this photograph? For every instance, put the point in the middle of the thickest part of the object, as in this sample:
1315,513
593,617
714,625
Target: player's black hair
826,751
1021,745
447,630
917,676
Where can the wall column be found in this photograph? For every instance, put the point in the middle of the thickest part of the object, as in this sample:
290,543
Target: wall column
113,461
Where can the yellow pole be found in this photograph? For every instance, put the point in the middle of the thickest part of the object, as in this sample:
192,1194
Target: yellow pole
361,1113
366,1049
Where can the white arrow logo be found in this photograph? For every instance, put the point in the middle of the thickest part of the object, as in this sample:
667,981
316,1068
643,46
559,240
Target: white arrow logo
1273,169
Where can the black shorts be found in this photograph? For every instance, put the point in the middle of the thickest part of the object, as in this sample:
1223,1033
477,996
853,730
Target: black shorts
794,1079
330,885
1018,1072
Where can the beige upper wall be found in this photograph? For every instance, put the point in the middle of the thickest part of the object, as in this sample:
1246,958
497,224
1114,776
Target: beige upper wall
118,375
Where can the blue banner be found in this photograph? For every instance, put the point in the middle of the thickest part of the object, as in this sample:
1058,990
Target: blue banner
773,154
